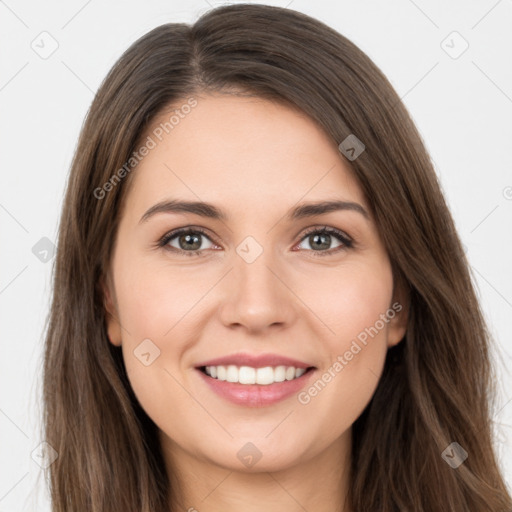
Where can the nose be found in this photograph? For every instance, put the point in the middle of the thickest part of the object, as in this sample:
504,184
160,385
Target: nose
256,294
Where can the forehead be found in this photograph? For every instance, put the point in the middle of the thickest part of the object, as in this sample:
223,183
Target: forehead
241,152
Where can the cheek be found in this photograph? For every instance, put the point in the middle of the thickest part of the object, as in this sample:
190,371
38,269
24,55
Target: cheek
160,312
153,300
342,389
350,300
153,347
340,308
356,308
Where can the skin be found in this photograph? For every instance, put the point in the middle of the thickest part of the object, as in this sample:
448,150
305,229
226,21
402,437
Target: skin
255,159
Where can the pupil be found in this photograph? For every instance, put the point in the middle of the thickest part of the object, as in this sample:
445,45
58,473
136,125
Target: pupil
188,238
317,236
317,240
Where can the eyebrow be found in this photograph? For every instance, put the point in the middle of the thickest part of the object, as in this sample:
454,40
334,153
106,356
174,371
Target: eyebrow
213,212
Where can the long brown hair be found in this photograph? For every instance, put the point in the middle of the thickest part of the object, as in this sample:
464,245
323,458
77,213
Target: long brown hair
437,385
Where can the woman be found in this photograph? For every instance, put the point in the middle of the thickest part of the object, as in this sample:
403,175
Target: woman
203,351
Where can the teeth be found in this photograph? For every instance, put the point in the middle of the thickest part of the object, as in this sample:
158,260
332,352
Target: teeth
221,372
247,375
280,373
232,374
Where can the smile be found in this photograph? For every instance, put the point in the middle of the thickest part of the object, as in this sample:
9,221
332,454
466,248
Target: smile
249,375
270,392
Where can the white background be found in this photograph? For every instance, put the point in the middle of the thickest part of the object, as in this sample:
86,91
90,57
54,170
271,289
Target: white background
462,107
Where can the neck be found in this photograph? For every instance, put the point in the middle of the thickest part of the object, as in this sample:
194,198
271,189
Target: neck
319,483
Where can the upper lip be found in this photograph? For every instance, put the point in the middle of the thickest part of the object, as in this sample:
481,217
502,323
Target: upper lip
255,361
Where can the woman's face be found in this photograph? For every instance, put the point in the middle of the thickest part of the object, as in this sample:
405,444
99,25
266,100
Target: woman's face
296,321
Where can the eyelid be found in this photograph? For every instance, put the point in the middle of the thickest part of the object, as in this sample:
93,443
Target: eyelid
346,240
167,237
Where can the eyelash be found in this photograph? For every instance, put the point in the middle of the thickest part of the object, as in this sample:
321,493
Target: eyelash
342,237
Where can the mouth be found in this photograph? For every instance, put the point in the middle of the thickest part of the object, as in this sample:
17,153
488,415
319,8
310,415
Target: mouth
255,381
247,375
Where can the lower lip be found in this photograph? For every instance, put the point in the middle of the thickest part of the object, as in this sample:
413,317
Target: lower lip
256,395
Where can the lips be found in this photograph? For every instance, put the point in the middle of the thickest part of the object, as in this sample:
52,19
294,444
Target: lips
272,378
255,361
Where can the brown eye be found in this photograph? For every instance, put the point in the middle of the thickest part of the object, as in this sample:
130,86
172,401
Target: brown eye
320,240
188,241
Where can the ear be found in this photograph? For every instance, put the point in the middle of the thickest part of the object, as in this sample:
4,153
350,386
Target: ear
113,324
397,326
